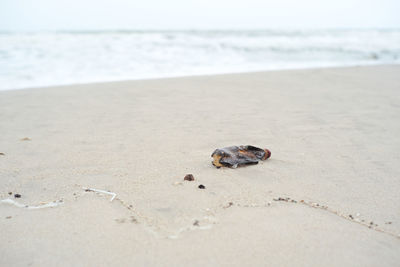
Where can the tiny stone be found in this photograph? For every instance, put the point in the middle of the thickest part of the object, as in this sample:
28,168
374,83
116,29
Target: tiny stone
133,219
2,154
10,193
8,217
229,205
17,196
351,217
189,177
196,223
202,186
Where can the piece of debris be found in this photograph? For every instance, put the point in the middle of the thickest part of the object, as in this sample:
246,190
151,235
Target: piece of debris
17,195
10,193
133,219
25,139
388,222
228,205
235,156
282,199
351,217
2,154
202,186
8,217
101,191
189,177
196,223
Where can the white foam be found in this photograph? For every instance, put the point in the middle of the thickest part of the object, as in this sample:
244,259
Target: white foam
43,59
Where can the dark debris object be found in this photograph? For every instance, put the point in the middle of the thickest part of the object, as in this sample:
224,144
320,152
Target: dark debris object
235,156
189,177
202,186
282,199
17,195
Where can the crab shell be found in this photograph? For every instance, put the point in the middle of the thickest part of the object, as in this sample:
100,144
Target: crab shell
235,156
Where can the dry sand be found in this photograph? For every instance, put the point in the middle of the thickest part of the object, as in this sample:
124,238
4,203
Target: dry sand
334,136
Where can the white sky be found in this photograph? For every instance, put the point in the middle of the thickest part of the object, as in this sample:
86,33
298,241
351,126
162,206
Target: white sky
32,15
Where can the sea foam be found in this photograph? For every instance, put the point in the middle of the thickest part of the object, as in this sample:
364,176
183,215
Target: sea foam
56,58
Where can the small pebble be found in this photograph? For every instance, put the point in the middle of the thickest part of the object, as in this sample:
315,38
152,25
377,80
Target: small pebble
196,223
229,205
202,186
189,177
2,154
10,193
8,217
17,196
351,217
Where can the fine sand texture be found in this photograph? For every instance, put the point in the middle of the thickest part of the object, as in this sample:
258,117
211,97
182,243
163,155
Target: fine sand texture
328,196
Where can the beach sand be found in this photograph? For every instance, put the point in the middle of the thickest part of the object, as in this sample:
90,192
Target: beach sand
328,196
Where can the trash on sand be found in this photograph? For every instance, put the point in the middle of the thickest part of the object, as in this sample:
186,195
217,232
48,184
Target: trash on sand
42,206
17,196
235,156
101,191
202,186
189,177
2,154
26,139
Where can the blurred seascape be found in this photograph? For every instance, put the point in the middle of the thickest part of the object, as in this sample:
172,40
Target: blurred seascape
58,58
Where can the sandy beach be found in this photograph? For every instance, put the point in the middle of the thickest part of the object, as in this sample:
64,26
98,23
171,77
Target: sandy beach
328,196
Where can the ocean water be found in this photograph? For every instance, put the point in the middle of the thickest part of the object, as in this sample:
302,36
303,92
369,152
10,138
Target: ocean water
56,58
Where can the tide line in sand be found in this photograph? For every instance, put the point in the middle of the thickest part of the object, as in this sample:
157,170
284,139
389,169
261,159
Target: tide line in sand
42,206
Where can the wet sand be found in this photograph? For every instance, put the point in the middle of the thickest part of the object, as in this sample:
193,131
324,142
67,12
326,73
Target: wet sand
328,196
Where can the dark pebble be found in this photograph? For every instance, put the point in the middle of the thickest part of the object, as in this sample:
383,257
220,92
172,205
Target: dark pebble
10,193
17,196
202,186
189,177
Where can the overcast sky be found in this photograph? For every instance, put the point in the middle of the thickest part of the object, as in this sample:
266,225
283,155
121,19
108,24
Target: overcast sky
32,15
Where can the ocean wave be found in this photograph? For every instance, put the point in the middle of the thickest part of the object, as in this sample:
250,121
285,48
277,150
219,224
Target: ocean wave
53,58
